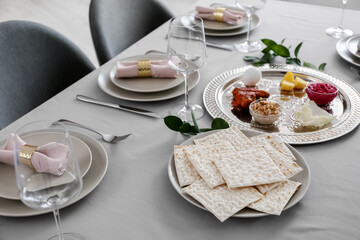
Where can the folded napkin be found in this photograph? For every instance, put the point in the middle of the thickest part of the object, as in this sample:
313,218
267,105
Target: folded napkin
229,16
49,158
146,68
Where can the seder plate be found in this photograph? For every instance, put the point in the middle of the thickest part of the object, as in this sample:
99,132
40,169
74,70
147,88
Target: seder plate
304,177
217,99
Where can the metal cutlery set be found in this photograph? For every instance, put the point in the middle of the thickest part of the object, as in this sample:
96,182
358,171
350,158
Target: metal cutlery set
110,138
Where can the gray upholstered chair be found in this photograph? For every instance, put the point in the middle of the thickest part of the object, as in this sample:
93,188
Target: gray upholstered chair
117,24
36,62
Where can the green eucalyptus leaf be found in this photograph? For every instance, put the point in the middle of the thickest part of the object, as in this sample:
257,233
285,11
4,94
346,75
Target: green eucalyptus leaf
205,129
266,50
185,128
297,49
281,50
307,64
259,63
269,43
173,122
322,66
293,61
267,57
250,58
282,41
219,123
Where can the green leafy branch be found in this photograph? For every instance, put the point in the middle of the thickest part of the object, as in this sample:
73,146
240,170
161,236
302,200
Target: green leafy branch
273,50
176,124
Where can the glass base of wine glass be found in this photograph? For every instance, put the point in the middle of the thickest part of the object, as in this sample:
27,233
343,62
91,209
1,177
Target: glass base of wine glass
337,32
248,46
184,112
68,236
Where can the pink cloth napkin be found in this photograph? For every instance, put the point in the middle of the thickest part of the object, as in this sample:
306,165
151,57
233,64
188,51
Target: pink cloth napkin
159,69
49,158
230,16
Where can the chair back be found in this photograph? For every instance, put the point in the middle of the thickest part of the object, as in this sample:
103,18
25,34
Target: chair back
117,24
36,63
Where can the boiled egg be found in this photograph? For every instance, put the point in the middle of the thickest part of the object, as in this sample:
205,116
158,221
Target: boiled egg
251,76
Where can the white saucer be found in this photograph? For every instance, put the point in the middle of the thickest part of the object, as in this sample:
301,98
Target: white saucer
352,45
13,208
345,53
8,188
145,85
105,84
222,33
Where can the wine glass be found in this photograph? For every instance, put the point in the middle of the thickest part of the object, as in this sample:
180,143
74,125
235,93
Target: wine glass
186,53
249,7
45,190
340,32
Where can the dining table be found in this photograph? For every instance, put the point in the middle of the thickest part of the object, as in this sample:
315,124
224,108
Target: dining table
134,198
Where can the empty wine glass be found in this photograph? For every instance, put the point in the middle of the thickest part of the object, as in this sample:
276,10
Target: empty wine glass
187,53
340,32
249,7
59,181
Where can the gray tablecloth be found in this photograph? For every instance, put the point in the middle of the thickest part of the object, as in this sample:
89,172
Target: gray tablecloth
135,200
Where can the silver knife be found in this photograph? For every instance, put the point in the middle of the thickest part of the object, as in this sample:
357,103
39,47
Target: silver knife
210,44
117,106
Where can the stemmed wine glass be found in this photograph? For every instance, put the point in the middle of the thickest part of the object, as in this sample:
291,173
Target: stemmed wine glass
186,53
340,32
249,7
40,190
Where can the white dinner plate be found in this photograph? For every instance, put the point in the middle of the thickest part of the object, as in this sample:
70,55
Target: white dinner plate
303,177
352,44
15,208
223,33
345,53
105,84
145,84
8,188
222,26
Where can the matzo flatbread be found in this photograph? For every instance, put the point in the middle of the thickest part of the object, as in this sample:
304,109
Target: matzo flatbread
201,157
222,201
288,167
264,188
275,141
232,135
276,199
248,168
185,171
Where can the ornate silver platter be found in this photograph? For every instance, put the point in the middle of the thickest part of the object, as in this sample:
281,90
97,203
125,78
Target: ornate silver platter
217,98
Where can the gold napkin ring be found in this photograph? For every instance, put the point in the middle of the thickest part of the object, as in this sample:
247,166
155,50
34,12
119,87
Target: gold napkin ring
26,153
219,14
144,68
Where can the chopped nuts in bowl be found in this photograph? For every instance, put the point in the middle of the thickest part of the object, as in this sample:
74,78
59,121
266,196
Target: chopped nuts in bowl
265,111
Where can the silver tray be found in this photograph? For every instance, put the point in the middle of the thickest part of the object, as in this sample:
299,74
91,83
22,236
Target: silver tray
217,98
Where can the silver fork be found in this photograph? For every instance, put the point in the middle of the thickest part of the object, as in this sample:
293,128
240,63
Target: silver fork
106,137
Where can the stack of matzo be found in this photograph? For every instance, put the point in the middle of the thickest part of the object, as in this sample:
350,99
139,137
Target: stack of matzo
227,171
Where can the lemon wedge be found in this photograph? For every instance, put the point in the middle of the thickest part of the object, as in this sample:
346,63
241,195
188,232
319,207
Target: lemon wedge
289,77
299,83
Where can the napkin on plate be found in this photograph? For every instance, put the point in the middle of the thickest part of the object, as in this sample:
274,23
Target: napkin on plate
159,69
49,158
230,16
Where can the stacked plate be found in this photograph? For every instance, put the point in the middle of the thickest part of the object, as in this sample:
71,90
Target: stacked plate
221,29
144,89
93,162
348,49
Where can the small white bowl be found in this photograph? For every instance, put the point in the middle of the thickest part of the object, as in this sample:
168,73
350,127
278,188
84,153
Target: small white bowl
264,116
